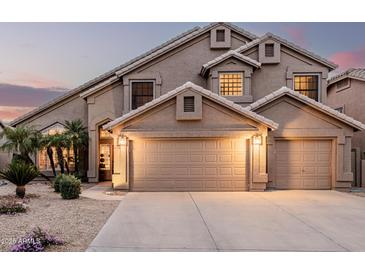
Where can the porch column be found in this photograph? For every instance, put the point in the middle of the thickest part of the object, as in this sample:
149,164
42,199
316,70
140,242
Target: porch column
344,175
120,173
259,172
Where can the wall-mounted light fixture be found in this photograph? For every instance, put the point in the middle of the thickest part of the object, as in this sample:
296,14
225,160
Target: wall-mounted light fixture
257,139
122,140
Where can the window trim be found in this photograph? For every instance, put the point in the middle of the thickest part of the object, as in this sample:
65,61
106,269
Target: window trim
140,81
242,73
309,74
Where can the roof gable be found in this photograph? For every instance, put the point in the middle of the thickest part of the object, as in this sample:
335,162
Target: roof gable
288,44
204,92
285,91
227,55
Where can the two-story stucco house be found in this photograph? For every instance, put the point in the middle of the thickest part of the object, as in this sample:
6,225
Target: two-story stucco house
346,93
214,109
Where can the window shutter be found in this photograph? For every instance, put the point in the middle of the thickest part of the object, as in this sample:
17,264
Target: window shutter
220,35
189,104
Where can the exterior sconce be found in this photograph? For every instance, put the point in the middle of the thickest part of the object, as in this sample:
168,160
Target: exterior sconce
257,139
122,140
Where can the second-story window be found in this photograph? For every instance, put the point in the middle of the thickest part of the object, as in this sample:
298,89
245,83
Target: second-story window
231,83
142,93
307,85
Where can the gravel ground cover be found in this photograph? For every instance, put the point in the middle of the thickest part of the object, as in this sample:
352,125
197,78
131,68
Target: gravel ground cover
74,221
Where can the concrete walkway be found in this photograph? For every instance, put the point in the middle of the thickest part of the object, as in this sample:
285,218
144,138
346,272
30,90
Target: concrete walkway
103,191
235,221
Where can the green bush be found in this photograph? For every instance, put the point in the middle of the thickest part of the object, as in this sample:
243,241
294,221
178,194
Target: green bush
70,187
56,184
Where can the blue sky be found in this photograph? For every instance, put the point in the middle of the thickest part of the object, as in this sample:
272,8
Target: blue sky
38,61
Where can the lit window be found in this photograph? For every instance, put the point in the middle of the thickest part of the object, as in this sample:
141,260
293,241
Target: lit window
231,84
45,164
269,50
220,35
142,93
307,85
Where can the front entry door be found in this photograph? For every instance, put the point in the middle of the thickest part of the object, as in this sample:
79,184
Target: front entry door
105,162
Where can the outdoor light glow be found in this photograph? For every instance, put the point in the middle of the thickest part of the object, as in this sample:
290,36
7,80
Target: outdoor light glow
257,139
122,140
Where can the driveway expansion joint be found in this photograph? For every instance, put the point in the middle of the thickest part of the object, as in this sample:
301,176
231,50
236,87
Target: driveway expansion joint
206,225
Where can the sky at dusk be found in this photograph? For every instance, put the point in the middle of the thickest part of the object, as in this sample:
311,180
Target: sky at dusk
40,61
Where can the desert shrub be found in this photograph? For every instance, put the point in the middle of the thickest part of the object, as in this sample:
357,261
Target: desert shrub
56,184
70,187
12,205
37,240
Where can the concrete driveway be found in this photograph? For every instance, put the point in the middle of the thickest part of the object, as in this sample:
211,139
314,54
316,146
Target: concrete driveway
235,221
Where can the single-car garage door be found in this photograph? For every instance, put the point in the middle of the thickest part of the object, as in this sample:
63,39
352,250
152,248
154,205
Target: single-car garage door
303,164
189,165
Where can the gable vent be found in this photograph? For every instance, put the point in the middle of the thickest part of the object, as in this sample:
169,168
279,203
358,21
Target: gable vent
189,104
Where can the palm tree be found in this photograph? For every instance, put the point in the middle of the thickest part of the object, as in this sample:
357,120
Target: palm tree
78,137
60,141
22,141
47,144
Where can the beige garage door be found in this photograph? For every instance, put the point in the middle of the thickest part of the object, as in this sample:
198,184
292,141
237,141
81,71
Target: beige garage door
303,164
189,165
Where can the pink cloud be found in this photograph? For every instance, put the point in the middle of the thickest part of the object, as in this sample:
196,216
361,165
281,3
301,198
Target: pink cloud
349,59
31,80
9,113
297,35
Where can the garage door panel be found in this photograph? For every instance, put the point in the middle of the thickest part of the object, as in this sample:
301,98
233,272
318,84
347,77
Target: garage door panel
303,164
285,156
188,165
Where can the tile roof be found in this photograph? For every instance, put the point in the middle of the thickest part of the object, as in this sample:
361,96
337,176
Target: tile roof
355,73
305,99
225,56
131,64
207,93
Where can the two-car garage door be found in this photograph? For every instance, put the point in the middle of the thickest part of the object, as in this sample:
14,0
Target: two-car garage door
303,164
223,164
189,165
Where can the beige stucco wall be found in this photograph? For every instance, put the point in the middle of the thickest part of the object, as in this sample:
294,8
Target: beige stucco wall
73,108
274,76
177,67
298,121
352,99
102,107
